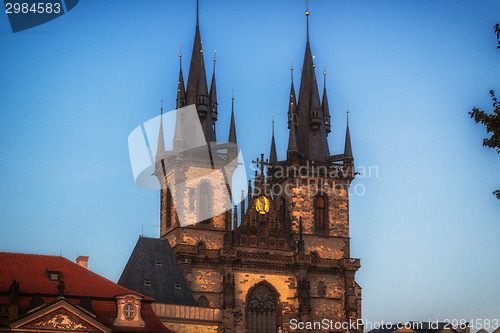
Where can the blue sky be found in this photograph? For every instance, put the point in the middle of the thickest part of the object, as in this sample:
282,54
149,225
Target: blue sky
427,227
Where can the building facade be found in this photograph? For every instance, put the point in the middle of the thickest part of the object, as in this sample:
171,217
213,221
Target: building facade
40,293
283,253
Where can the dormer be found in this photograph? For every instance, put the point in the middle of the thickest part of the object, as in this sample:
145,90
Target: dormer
128,311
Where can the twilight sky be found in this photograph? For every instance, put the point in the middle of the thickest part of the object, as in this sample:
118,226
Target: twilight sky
424,223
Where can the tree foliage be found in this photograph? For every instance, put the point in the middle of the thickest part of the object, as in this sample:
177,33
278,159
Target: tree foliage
491,120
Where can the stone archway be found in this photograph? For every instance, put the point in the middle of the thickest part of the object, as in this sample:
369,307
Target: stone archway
263,309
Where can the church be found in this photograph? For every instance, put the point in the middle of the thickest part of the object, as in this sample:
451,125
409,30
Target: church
282,254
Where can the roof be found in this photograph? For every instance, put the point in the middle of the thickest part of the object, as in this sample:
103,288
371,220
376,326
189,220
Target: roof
153,261
30,270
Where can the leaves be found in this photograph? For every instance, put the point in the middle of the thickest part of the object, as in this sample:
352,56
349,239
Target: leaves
491,122
497,194
497,30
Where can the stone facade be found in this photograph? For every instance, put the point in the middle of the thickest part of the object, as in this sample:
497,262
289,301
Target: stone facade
284,252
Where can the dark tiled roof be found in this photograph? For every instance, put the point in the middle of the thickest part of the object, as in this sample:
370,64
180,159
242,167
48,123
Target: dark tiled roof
152,270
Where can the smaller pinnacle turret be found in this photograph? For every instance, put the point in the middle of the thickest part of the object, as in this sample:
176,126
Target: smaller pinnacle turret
232,126
273,157
347,147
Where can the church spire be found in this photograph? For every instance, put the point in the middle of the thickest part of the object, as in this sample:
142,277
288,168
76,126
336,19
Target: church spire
347,148
292,103
232,126
273,157
324,105
197,89
213,94
311,134
181,91
160,148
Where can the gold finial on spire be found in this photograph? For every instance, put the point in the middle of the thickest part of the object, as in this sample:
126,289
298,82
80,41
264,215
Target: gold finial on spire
314,65
291,64
233,95
215,59
161,107
180,51
273,122
307,20
347,111
324,68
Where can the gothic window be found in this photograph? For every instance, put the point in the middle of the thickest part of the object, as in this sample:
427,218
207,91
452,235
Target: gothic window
203,302
262,313
204,203
320,213
321,289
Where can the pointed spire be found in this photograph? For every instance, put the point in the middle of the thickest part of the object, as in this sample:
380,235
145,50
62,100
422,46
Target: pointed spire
197,89
310,132
242,204
292,103
181,91
232,126
213,94
324,105
160,148
273,157
347,147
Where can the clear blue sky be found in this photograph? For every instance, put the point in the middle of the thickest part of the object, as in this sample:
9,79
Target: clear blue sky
427,228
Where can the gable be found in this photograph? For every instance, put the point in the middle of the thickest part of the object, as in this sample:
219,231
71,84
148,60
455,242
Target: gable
59,317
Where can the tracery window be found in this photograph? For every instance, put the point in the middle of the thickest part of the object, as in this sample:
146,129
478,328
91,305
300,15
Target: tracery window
262,310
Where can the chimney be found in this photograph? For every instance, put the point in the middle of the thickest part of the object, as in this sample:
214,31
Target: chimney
82,261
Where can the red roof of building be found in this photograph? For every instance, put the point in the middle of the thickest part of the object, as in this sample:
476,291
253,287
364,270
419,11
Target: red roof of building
30,270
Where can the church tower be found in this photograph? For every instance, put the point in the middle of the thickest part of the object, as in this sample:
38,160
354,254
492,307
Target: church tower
282,254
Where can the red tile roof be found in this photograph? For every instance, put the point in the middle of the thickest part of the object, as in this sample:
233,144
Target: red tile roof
30,271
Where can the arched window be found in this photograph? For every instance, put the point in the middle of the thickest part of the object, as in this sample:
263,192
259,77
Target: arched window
262,312
203,302
204,203
320,212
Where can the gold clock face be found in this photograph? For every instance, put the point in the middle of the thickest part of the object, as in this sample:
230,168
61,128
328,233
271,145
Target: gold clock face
262,205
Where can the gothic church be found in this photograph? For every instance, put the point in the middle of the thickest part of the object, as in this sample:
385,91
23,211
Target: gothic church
278,255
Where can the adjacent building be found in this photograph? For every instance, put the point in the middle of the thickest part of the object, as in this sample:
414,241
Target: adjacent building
40,293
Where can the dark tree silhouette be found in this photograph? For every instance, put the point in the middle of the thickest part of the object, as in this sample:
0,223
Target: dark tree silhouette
491,120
